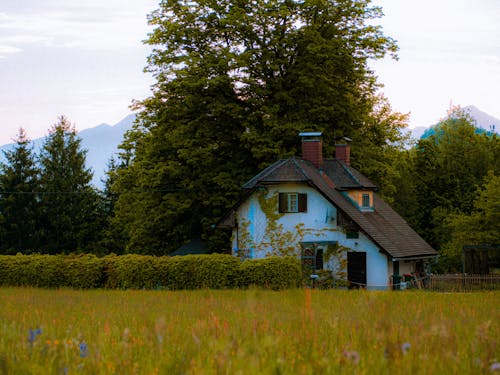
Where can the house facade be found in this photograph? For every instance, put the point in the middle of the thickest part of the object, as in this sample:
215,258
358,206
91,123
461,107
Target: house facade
328,214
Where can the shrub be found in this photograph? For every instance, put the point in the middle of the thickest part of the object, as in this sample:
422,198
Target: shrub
85,271
215,271
271,273
131,271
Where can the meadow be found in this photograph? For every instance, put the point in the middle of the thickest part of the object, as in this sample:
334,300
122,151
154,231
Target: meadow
253,331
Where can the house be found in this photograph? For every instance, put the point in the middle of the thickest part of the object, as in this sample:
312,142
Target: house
328,214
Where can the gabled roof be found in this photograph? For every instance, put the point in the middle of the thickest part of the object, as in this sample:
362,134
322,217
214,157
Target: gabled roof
195,246
346,177
383,225
284,170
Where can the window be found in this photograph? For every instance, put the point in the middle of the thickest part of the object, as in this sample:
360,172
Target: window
366,201
312,258
352,234
319,259
292,202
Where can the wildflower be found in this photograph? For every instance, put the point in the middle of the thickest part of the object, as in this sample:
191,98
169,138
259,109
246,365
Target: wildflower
84,350
405,347
352,356
495,367
33,334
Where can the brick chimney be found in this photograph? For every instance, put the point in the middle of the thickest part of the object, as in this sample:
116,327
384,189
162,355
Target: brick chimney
343,153
312,148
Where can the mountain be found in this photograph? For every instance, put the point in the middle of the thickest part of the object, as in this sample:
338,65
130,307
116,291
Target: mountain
483,120
101,143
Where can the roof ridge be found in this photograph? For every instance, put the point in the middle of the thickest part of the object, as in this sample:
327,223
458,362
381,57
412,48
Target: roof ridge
294,159
349,172
264,172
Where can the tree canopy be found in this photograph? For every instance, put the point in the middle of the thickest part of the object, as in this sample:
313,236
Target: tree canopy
235,83
18,203
70,207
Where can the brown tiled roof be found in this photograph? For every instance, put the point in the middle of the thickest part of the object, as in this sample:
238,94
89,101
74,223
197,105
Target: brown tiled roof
383,225
346,177
284,170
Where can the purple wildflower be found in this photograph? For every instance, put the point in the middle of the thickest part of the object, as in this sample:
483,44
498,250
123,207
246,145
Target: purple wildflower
84,350
405,347
33,334
352,356
495,367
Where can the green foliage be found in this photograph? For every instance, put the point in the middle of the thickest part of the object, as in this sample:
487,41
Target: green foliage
271,273
482,225
52,271
235,83
71,209
19,206
439,178
132,271
215,271
450,165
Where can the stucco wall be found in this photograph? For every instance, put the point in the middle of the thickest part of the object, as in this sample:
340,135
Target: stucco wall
318,224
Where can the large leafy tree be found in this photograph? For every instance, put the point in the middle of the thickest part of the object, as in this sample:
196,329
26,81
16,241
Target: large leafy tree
71,208
441,175
480,226
19,206
235,83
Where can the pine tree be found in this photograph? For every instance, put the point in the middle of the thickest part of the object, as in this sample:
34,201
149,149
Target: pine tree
71,207
19,208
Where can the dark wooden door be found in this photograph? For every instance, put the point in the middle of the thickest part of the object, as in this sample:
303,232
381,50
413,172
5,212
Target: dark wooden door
356,269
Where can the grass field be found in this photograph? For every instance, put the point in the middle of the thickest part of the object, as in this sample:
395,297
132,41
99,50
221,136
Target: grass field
248,332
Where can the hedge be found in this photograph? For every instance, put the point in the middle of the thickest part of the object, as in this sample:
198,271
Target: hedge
85,271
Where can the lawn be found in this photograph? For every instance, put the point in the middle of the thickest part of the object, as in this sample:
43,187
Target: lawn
248,332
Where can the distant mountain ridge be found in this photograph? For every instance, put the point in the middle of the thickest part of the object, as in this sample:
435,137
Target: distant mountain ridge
483,121
101,143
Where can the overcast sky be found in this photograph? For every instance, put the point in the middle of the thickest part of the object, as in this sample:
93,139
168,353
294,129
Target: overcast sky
85,59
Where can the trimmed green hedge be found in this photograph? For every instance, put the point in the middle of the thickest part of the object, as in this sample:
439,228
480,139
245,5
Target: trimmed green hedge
215,271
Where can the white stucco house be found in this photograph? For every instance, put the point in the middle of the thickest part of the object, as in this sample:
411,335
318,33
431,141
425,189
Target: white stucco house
328,214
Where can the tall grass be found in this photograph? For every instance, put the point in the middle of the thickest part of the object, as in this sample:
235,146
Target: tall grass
247,332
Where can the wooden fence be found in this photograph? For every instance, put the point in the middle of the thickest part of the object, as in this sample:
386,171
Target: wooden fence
463,282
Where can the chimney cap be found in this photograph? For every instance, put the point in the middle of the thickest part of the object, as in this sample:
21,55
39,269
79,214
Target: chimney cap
310,134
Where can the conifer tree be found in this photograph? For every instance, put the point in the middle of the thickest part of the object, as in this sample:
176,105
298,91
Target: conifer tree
19,208
71,208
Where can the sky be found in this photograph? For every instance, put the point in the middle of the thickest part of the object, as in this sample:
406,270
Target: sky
85,58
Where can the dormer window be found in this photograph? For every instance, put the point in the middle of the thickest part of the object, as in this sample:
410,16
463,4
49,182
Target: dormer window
365,201
362,199
292,202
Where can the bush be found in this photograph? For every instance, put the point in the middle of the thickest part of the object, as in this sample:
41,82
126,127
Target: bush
215,271
85,271
272,273
131,271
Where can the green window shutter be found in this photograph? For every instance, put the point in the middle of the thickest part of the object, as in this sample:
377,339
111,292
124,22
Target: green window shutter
302,202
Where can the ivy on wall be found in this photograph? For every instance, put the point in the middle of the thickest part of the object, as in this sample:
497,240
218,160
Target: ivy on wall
277,241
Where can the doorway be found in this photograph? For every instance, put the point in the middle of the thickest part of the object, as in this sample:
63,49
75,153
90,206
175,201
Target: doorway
356,269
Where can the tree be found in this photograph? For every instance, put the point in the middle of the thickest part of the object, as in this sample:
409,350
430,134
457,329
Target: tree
71,208
442,173
18,200
235,83
481,226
